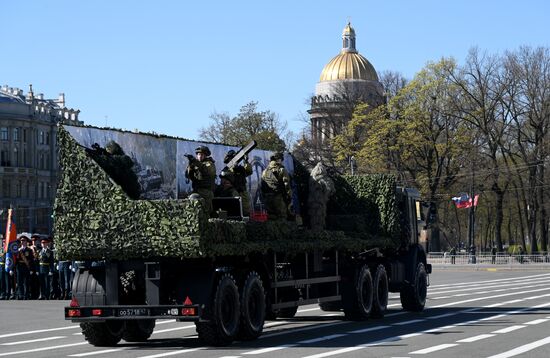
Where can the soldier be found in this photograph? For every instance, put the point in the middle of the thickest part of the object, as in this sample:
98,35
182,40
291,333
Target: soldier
24,263
45,260
202,173
275,187
34,279
240,173
226,188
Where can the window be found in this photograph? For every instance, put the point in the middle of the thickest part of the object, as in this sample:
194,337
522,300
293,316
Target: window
16,136
24,159
4,158
24,136
47,138
41,161
4,133
18,189
41,136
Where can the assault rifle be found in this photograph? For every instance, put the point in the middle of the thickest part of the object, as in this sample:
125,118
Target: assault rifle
243,152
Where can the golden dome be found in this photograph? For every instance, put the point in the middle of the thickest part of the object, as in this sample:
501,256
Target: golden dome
349,66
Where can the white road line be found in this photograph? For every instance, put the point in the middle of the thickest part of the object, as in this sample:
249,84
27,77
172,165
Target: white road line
442,315
43,349
369,329
503,284
321,339
435,348
173,329
488,297
231,357
408,322
475,338
487,281
33,341
309,309
509,329
38,331
438,329
174,353
522,349
97,352
537,321
270,349
164,322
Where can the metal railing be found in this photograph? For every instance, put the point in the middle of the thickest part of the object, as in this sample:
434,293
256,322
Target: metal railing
499,260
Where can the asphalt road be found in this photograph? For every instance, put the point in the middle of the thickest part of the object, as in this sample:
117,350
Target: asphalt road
468,314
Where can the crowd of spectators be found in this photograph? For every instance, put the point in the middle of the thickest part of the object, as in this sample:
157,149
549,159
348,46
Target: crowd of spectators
35,272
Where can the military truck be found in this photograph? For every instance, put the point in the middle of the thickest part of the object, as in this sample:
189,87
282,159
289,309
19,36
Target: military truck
140,260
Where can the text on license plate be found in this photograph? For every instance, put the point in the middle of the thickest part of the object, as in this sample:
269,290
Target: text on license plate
132,312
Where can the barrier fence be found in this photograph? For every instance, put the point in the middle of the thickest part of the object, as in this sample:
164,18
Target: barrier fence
498,260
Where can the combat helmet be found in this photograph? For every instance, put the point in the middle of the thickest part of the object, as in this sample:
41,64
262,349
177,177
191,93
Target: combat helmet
230,154
203,149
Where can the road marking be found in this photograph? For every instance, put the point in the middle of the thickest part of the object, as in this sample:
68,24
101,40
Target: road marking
309,309
43,349
97,352
435,348
408,322
173,329
321,339
370,329
492,269
271,349
509,329
33,340
475,338
38,331
167,321
442,315
487,281
438,329
308,328
537,321
488,297
174,353
522,349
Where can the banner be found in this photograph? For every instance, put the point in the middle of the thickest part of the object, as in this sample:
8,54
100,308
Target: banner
465,201
11,242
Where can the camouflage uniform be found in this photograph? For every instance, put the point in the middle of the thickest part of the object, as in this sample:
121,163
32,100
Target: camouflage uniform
276,188
240,173
203,177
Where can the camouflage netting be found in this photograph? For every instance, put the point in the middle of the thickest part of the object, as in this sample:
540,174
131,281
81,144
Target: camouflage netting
95,219
365,204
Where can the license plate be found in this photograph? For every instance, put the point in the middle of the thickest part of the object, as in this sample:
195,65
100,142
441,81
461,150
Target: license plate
125,312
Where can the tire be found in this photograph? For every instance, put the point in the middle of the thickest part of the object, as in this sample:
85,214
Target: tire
413,297
380,292
138,330
224,313
357,298
330,306
288,312
252,308
102,334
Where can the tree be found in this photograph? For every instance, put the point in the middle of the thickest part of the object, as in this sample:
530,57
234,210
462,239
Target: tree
414,136
250,124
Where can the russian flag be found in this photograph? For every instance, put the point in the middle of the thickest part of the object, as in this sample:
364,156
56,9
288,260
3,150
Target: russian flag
11,242
465,201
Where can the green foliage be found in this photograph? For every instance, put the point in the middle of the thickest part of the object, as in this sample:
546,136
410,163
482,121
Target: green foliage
250,124
94,219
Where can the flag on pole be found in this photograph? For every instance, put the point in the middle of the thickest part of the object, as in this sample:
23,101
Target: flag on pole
465,201
11,242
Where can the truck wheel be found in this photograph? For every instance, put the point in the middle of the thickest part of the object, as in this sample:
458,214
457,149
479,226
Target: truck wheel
223,324
138,330
380,292
102,334
413,297
252,308
357,299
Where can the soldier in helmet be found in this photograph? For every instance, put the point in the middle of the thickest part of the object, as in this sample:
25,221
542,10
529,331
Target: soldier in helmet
226,189
275,187
240,173
202,173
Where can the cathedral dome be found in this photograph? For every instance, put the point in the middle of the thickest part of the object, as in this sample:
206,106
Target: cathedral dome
349,64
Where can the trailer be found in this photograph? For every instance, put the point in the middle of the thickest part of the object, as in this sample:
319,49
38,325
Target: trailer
143,260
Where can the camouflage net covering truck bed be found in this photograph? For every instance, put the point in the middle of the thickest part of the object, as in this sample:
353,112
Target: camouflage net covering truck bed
95,219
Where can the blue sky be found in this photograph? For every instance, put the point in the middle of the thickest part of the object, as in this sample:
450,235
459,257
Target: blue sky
165,66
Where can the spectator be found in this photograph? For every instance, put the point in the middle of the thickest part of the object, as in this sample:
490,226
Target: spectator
494,255
453,255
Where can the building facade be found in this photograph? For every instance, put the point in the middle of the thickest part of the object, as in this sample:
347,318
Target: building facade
28,156
349,78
